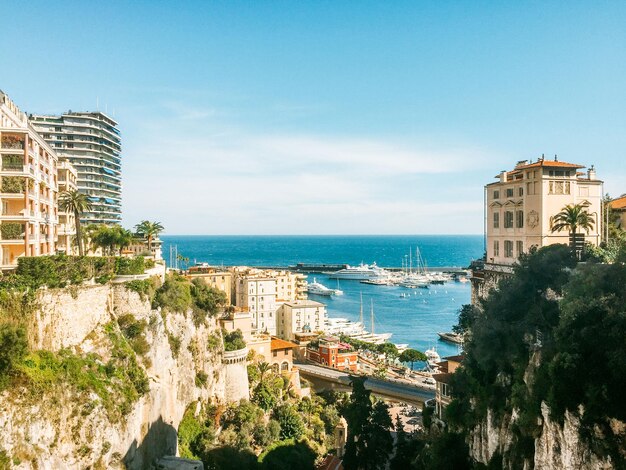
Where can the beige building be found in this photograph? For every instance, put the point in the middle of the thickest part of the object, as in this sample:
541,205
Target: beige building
67,224
519,208
258,296
216,278
300,316
29,188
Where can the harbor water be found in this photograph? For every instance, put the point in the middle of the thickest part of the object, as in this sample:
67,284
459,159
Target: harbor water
414,319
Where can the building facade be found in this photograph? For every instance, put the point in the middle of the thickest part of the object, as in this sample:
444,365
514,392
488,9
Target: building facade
258,296
29,188
619,207
442,383
91,142
519,208
300,316
333,353
67,224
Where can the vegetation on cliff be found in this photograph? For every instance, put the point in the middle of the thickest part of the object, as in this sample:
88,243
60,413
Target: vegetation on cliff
553,333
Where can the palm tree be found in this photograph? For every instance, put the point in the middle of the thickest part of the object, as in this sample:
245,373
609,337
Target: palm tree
78,203
149,230
264,367
571,218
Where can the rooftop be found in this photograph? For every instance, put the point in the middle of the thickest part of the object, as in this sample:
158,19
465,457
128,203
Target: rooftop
619,203
278,343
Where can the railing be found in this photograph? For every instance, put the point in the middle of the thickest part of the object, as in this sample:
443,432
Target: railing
12,144
233,357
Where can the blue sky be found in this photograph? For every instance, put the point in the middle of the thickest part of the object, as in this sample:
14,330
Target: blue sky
327,117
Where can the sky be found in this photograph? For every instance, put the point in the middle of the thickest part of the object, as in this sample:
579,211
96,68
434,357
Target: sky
327,117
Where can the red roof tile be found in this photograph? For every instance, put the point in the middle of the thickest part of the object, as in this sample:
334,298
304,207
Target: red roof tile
278,343
619,203
550,164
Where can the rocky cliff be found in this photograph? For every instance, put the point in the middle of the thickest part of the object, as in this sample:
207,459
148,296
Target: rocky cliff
72,425
557,445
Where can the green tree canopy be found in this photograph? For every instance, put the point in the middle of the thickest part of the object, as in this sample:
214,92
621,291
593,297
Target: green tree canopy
412,356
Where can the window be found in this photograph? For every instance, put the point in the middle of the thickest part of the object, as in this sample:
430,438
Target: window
509,192
496,194
496,248
444,390
496,220
508,249
520,219
508,219
529,188
520,191
520,247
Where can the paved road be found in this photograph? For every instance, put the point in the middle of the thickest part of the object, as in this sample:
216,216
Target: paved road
395,389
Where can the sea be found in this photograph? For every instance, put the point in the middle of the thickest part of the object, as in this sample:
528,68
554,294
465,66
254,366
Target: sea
413,319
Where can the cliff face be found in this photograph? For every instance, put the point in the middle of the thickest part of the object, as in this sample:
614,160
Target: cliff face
65,427
557,446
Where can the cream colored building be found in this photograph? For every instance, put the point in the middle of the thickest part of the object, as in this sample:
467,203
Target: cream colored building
300,316
29,188
519,208
67,224
257,294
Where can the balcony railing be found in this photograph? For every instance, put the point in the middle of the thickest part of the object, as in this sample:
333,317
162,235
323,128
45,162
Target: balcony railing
12,143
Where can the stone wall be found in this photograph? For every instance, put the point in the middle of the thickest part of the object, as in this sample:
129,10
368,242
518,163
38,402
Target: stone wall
236,370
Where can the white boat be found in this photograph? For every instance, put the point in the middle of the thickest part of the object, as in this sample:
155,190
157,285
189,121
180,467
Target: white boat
320,289
451,337
433,356
343,326
360,273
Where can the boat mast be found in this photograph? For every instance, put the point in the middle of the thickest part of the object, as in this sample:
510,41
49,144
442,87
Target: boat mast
361,312
372,309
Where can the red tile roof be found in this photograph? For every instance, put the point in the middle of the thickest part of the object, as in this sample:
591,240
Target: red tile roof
619,203
331,462
278,343
550,164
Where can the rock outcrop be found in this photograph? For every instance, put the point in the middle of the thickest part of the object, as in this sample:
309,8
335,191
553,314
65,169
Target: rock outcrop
68,428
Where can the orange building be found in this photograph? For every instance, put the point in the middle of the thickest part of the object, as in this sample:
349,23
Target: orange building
333,353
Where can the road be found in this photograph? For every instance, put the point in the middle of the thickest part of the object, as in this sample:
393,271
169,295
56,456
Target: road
390,389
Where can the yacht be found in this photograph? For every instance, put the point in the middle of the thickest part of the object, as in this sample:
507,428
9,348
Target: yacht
360,273
433,357
317,288
451,337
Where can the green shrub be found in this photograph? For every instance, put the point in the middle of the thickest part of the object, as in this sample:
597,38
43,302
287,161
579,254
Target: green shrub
201,378
130,266
13,348
146,288
233,341
174,295
175,344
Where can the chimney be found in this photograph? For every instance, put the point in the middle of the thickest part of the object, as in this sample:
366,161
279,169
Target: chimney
503,176
591,173
555,158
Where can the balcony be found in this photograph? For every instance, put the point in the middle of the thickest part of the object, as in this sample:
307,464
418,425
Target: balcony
12,233
12,143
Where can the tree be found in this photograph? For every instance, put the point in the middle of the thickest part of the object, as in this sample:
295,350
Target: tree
110,238
412,356
467,315
571,218
369,440
77,203
149,230
264,397
390,350
287,455
264,367
291,425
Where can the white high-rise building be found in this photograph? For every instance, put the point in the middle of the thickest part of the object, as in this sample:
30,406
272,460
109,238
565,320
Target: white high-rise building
91,142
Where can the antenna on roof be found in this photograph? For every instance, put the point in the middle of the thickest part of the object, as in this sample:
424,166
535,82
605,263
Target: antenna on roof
542,156
97,103
555,159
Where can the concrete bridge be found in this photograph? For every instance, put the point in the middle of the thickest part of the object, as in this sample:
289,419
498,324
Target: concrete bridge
324,378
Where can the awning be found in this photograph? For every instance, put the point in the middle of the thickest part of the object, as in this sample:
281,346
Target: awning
109,172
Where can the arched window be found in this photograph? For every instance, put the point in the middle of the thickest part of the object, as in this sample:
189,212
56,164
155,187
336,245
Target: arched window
275,367
284,367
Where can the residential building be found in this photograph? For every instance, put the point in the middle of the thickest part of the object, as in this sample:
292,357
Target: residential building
619,206
281,358
519,208
67,176
442,381
257,293
139,247
289,286
331,352
91,142
300,316
29,188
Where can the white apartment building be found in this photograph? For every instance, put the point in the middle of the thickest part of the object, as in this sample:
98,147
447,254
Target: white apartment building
300,316
519,208
91,141
29,188
257,294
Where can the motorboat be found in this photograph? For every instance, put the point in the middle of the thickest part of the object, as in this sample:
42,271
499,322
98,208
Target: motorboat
317,288
451,337
360,273
433,357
